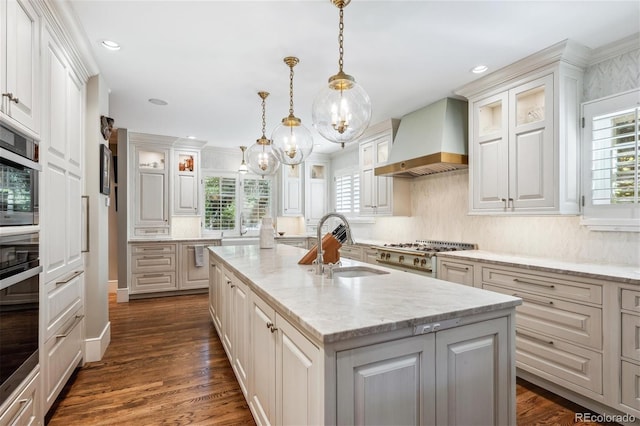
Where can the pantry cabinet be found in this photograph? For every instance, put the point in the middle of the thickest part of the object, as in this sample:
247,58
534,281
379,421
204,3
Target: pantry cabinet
524,127
20,65
150,191
381,195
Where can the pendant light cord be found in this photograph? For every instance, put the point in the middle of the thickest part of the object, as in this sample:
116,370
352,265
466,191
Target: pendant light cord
291,90
263,118
341,37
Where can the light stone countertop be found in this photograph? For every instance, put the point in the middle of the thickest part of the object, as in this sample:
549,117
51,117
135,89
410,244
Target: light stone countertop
618,273
344,308
173,240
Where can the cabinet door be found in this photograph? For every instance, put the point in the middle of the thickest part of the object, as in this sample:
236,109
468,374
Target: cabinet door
292,190
473,376
298,378
192,276
150,192
262,374
532,147
490,152
367,178
399,373
316,191
240,362
22,64
218,282
186,188
227,314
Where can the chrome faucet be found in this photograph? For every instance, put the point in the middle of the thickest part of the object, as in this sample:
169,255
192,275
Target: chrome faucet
319,260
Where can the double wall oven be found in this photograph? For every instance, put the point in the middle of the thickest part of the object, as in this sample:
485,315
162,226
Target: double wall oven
19,259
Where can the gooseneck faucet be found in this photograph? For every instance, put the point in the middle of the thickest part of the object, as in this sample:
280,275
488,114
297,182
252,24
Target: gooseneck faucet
319,260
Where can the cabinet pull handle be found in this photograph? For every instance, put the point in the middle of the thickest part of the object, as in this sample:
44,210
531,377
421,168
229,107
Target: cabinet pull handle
228,281
504,200
152,248
539,302
269,324
518,280
456,268
153,257
273,329
69,278
510,201
152,275
71,327
537,339
233,286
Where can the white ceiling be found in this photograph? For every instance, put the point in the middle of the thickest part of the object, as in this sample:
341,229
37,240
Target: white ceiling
208,59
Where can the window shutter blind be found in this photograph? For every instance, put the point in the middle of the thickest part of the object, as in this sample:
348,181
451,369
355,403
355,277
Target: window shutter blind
257,201
347,189
219,203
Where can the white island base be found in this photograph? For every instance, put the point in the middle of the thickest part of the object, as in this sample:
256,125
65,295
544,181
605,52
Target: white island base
387,349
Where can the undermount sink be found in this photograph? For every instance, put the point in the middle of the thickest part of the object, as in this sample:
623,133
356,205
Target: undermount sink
355,271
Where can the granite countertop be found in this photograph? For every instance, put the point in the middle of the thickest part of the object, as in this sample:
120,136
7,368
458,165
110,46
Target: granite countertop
341,308
619,273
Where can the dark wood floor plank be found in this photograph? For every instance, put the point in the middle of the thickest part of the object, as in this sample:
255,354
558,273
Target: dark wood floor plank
166,366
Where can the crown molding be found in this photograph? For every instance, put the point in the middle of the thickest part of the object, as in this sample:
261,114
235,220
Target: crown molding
614,49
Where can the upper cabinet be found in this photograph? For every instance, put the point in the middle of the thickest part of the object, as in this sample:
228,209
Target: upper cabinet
316,190
150,191
292,195
380,195
19,65
186,172
524,128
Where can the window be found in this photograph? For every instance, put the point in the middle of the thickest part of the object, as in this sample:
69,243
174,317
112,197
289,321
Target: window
347,190
611,164
223,195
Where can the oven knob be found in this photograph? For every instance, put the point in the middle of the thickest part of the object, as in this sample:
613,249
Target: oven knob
423,262
416,261
388,256
382,256
401,259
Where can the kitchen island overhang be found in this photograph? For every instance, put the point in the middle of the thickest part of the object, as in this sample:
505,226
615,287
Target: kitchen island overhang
378,313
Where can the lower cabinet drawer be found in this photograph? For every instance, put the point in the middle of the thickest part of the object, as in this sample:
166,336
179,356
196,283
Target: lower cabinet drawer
631,336
575,322
351,252
64,299
630,299
153,263
630,374
558,361
24,410
152,282
63,352
149,232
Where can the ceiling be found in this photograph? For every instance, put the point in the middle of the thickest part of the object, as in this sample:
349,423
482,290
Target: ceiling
208,59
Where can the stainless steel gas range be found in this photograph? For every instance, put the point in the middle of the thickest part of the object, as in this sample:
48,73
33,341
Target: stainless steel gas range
419,256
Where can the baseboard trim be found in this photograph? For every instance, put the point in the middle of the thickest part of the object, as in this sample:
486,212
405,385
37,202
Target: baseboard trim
122,295
113,286
95,348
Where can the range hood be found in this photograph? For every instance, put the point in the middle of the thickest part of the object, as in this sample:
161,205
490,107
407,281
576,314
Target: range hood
430,140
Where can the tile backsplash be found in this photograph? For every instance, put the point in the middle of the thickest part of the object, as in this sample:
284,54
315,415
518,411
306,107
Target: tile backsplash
439,212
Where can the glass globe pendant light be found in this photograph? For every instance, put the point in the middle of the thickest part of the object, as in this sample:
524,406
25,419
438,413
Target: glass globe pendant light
341,111
262,160
243,166
292,142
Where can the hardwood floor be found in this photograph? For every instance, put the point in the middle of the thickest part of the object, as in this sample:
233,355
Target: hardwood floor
166,365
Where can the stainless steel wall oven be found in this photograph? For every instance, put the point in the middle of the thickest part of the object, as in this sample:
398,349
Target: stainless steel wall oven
18,179
19,309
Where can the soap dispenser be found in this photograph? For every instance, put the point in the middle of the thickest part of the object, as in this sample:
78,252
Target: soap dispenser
266,233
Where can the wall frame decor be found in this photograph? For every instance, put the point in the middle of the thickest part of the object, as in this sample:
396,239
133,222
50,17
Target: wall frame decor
105,170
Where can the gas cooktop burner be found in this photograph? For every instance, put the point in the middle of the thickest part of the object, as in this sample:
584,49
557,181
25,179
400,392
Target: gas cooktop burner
431,246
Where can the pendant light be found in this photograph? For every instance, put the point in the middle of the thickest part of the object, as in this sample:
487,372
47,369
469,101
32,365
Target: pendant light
243,166
262,160
341,111
292,142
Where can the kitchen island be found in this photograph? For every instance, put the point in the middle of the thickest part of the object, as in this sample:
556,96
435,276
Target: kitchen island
385,348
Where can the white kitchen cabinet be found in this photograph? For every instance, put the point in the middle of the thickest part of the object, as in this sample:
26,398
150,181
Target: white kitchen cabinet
150,188
24,408
285,376
380,195
630,350
239,333
186,187
191,276
455,271
404,371
351,251
153,267
292,178
293,241
371,376
524,127
20,65
61,155
216,279
316,191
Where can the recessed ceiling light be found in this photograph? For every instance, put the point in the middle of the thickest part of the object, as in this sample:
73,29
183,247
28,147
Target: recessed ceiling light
479,69
158,101
111,45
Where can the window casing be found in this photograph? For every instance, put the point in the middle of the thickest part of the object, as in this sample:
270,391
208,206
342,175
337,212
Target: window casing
611,164
236,204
